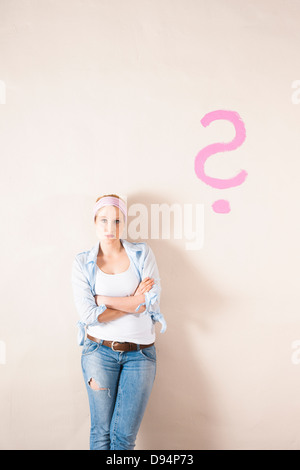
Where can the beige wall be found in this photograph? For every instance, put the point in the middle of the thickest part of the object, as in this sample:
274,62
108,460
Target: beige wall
107,96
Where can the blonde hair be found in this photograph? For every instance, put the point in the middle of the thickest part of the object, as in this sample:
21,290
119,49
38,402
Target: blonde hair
108,195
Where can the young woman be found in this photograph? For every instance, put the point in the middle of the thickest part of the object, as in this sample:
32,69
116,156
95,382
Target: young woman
116,288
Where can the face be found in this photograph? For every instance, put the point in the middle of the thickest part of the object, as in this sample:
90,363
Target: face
109,223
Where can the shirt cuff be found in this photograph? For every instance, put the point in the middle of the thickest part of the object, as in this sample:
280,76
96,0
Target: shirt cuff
150,299
81,324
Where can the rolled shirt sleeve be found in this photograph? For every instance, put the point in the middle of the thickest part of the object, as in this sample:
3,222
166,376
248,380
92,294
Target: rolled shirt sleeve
84,300
152,297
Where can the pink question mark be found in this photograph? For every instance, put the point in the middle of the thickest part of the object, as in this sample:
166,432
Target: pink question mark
221,206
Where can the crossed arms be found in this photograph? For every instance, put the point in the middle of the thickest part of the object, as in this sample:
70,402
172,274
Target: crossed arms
117,307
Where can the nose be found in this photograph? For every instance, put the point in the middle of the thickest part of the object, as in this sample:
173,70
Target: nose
110,228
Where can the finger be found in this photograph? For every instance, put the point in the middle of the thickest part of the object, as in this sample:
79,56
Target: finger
149,281
149,288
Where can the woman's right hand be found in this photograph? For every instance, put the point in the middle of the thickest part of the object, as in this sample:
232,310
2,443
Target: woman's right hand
144,286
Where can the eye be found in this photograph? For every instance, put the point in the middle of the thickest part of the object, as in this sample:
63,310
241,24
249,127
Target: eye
117,221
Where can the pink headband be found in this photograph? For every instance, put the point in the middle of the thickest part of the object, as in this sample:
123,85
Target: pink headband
110,201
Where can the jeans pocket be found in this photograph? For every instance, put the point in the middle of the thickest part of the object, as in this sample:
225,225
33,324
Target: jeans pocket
89,347
149,353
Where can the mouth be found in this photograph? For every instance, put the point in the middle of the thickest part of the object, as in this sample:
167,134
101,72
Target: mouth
109,236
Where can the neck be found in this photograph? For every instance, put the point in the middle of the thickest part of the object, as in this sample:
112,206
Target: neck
110,247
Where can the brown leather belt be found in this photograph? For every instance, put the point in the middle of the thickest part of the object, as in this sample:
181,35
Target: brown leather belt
117,346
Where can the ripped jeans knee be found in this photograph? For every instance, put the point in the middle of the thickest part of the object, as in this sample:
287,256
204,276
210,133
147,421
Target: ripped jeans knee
96,387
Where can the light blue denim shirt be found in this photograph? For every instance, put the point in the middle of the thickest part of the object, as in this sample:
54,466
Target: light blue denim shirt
84,277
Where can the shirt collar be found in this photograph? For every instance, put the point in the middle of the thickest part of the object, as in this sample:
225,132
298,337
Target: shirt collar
129,246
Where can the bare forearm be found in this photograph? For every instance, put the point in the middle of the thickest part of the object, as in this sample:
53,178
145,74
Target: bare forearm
110,314
127,304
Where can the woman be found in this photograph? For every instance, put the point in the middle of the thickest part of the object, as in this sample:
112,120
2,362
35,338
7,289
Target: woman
116,288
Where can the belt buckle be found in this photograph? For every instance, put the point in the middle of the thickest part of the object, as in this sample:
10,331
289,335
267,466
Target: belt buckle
112,346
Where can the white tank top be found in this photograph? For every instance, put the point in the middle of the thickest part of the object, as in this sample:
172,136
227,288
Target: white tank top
133,327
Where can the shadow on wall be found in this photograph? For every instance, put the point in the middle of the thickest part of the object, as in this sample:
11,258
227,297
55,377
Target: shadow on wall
181,412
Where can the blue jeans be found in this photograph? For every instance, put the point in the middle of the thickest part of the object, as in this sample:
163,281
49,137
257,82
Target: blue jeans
122,383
